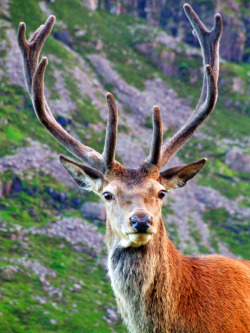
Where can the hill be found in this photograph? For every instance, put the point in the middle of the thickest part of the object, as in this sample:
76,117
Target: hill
53,271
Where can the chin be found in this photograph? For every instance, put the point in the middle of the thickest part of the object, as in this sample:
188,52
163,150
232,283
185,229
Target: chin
136,240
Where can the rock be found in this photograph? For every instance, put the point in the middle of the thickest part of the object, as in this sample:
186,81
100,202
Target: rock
164,60
170,16
60,197
76,289
94,210
112,315
16,185
99,45
7,273
76,202
7,188
75,231
91,4
63,121
237,160
234,38
64,37
83,249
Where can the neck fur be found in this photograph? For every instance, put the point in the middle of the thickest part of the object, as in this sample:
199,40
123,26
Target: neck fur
142,279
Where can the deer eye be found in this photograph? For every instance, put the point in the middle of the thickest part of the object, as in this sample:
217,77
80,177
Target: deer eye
108,196
161,194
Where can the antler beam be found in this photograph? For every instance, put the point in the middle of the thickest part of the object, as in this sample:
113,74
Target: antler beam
209,42
34,76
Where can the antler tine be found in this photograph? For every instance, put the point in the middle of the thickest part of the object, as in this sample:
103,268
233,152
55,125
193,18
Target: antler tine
88,155
111,132
209,42
31,49
34,77
155,150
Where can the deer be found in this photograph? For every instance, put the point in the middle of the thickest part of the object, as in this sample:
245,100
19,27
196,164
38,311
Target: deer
157,288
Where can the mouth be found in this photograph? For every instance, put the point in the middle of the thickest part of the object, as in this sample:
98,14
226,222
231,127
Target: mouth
138,239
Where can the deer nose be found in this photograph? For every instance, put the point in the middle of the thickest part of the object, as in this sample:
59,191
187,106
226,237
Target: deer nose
141,222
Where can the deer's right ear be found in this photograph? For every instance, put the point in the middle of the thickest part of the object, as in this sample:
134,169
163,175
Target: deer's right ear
87,178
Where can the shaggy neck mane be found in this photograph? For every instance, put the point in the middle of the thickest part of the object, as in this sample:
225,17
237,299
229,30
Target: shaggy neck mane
143,278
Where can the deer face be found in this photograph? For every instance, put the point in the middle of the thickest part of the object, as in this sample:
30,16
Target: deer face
133,203
133,197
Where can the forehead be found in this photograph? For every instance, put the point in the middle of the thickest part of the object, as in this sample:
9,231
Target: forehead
133,180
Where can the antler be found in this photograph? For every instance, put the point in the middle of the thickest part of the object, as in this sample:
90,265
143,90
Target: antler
209,42
111,132
155,151
34,76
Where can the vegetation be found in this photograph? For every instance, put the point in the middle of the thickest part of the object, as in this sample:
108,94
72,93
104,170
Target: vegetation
74,294
75,298
231,230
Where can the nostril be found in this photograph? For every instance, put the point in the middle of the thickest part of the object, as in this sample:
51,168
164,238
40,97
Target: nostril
141,223
133,221
147,219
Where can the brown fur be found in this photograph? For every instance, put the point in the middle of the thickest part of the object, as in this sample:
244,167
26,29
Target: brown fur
169,292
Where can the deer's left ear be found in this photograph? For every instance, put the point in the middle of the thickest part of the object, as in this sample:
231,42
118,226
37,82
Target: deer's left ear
87,178
178,176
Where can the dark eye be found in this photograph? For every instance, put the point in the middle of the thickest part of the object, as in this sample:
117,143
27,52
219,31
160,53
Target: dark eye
108,196
161,194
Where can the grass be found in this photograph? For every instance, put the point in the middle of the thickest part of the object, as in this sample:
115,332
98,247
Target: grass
27,306
17,114
34,205
229,229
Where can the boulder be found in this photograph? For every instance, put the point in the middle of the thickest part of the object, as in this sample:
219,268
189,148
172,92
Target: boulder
16,185
94,210
237,160
64,37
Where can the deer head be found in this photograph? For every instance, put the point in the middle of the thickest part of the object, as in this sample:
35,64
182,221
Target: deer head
133,197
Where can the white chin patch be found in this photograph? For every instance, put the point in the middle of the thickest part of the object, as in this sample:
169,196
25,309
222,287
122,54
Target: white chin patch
139,239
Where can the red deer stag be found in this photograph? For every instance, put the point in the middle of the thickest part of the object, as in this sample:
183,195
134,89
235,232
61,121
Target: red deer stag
157,288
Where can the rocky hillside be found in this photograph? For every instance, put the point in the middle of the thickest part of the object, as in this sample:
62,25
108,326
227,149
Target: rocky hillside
168,14
53,270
